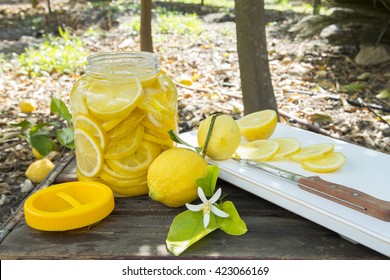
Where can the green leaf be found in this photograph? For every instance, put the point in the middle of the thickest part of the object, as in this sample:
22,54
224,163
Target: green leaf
186,229
383,94
208,183
23,124
57,106
233,224
177,139
65,137
42,144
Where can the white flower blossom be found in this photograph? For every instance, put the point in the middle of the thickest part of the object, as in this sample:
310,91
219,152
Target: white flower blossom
207,206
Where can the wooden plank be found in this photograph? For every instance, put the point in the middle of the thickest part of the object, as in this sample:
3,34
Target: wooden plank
137,229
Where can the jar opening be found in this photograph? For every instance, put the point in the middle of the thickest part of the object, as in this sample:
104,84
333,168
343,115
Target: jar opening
129,64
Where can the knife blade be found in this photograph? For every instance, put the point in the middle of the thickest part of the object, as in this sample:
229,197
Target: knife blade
341,194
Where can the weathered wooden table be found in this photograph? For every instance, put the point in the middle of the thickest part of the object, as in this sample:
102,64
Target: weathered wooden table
137,229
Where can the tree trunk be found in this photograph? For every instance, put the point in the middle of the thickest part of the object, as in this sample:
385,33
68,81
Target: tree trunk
146,26
252,51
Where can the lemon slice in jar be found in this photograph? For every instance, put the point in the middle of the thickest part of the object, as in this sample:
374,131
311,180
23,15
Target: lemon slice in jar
315,151
127,126
89,154
138,162
329,163
125,146
288,147
258,125
259,150
92,127
115,100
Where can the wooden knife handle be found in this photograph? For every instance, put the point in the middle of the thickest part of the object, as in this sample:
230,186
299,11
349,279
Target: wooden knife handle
346,196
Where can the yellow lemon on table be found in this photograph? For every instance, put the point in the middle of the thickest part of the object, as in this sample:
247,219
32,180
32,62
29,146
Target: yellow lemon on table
314,151
259,150
328,163
258,125
172,176
225,137
39,169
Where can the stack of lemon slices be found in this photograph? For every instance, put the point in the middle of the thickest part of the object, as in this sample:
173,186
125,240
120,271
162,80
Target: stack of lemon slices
259,126
120,130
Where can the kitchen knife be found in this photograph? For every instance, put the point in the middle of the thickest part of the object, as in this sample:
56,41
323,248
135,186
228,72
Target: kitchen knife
346,196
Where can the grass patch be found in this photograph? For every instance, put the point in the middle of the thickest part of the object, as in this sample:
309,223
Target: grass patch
62,55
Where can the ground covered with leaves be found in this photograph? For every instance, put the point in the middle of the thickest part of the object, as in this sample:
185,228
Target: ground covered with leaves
318,86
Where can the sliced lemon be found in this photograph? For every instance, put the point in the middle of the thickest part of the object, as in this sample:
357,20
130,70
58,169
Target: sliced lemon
131,192
258,125
89,154
329,163
110,124
288,147
123,183
107,170
108,101
126,146
136,163
260,150
160,141
92,127
127,126
315,151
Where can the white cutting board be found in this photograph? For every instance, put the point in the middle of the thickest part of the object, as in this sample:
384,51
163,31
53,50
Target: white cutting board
365,170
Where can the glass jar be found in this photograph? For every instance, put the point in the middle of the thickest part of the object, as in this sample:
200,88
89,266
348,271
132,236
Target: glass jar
122,109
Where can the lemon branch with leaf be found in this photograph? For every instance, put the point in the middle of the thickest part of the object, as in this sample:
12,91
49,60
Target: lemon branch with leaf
199,220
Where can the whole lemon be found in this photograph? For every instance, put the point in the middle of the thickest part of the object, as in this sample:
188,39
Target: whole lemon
172,176
27,106
38,170
225,137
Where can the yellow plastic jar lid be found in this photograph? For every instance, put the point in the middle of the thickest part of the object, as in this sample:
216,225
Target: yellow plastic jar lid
68,206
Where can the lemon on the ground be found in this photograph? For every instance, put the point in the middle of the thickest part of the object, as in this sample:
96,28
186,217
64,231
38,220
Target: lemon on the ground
27,106
259,150
172,176
108,101
258,125
124,128
138,162
89,154
125,146
91,126
225,137
328,163
288,147
38,170
314,151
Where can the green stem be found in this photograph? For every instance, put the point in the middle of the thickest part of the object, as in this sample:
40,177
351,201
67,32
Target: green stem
209,132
